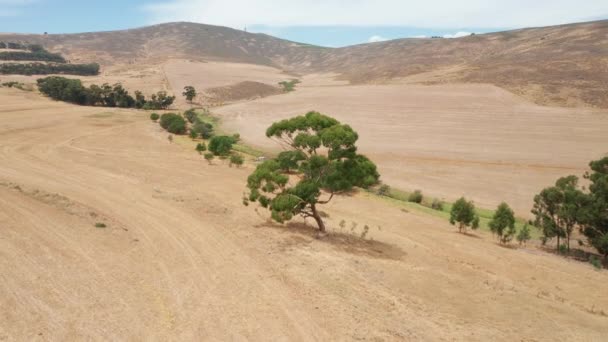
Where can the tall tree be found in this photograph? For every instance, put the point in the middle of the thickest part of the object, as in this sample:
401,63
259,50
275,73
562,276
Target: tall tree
328,165
559,209
463,214
503,223
595,219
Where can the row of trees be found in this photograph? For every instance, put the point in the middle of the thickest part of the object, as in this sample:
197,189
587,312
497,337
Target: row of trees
219,146
41,56
19,46
52,68
72,90
564,208
559,211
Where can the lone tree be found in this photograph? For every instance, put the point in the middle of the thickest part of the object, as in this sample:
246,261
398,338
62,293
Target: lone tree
221,145
189,93
463,213
330,166
503,223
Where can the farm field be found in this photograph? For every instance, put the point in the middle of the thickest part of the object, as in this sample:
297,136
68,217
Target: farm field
447,140
181,258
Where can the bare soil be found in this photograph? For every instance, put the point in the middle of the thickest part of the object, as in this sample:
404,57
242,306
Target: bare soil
180,258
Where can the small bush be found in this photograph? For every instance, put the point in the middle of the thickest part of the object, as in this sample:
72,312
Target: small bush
209,157
154,116
415,197
193,135
384,190
595,262
100,225
563,249
168,118
437,205
201,147
236,159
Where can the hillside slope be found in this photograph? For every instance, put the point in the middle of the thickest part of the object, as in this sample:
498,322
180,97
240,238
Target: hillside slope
562,65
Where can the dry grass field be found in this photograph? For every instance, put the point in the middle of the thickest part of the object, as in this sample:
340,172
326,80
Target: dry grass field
180,258
446,140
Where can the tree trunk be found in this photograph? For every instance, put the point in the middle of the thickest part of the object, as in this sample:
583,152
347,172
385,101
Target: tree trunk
558,244
318,219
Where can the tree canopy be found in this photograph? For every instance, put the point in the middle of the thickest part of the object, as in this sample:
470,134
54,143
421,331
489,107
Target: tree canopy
325,163
503,223
189,93
463,214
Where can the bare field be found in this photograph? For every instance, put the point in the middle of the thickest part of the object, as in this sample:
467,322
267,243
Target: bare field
446,140
181,259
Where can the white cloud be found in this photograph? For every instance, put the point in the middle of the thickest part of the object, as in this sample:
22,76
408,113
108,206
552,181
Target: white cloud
420,36
375,39
458,34
412,13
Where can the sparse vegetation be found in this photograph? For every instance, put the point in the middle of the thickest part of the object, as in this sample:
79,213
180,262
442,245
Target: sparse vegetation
463,214
289,86
415,197
336,170
154,116
209,157
384,190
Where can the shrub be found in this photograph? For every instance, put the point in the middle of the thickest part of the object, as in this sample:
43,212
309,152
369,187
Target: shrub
236,159
563,249
415,197
209,157
289,85
595,262
437,205
201,147
524,235
154,116
193,135
100,225
177,127
168,118
190,115
221,145
205,130
384,190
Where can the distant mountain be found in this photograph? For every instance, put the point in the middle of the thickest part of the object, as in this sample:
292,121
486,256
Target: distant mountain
563,65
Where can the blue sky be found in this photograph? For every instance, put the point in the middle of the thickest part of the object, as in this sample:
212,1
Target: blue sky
320,22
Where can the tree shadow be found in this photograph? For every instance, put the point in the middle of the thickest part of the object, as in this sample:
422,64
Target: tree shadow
467,234
302,234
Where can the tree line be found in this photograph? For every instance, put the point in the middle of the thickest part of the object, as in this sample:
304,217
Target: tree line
72,90
40,56
46,69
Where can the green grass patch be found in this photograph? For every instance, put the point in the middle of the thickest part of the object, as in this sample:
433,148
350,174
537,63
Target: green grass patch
401,198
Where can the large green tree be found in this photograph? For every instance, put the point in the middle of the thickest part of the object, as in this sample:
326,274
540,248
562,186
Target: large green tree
595,219
559,209
503,223
463,214
327,164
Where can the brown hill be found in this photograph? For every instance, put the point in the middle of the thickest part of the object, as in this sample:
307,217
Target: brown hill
562,65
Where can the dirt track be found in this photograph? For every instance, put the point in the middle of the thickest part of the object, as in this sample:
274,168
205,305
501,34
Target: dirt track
448,141
182,259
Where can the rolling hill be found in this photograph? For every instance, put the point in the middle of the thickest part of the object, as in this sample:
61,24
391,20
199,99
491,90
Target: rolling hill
562,65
